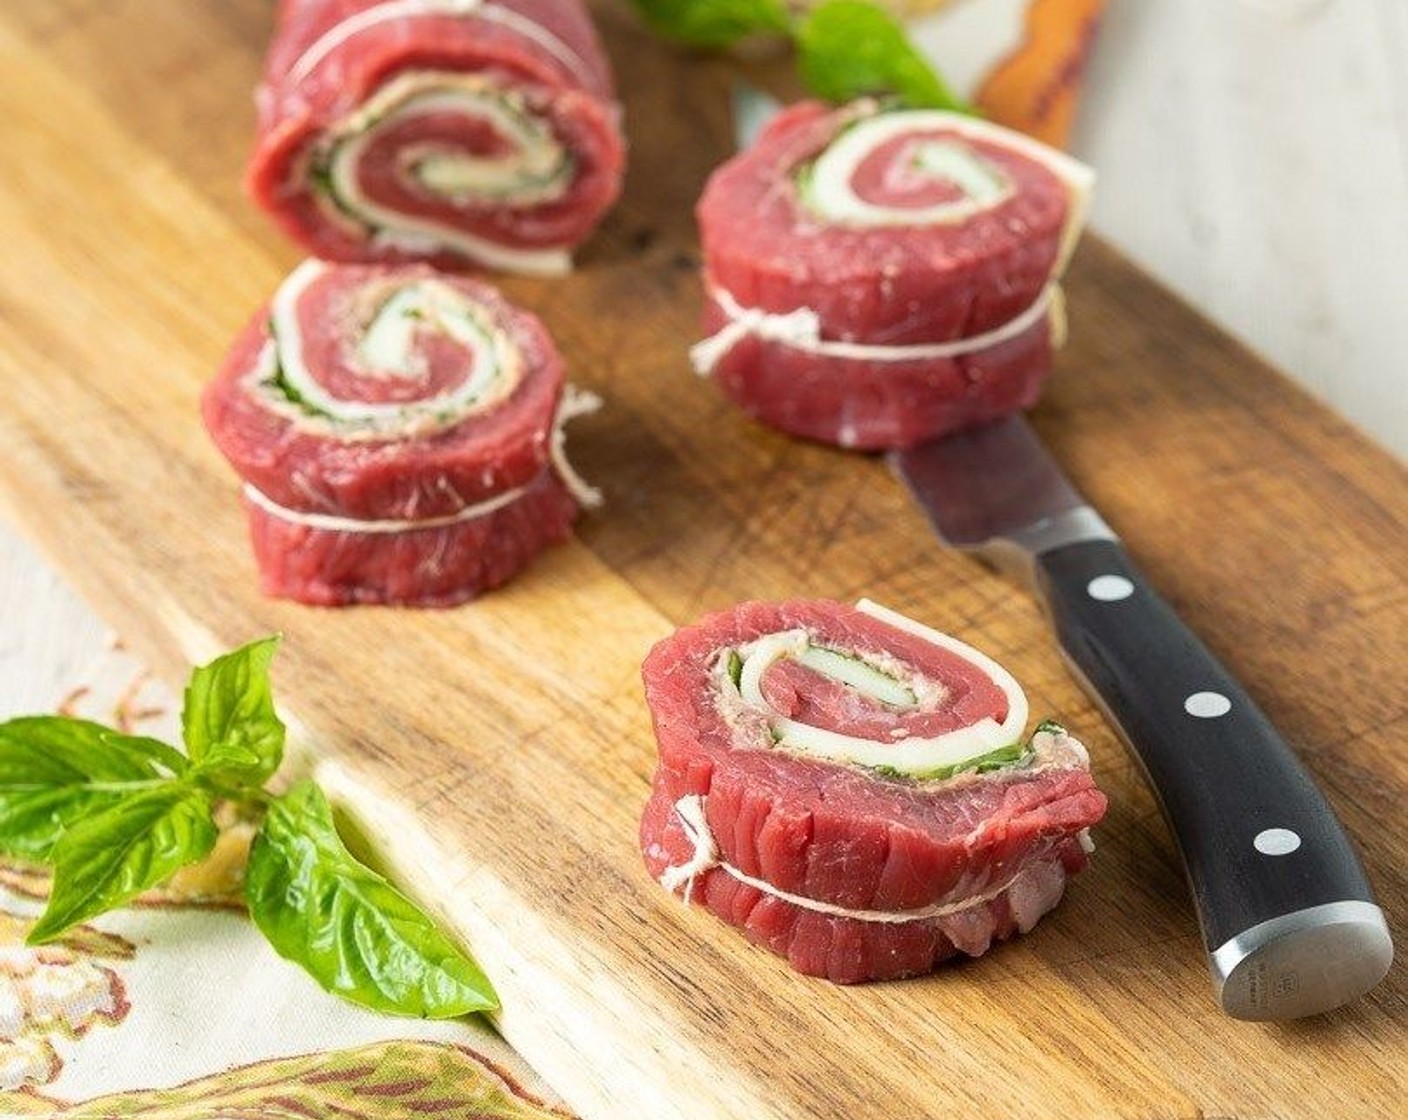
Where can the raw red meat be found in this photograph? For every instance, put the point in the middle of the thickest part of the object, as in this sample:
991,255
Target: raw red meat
480,132
872,405
851,871
436,567
399,434
440,472
858,296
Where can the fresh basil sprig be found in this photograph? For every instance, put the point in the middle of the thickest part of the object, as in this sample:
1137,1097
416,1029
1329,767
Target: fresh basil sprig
372,946
106,860
232,733
118,814
54,772
848,48
845,48
715,23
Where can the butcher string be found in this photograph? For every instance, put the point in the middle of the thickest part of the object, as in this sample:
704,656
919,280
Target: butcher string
793,328
331,523
800,329
690,811
377,14
575,402
706,857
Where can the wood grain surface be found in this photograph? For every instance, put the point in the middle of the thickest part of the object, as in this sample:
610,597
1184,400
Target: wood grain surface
502,751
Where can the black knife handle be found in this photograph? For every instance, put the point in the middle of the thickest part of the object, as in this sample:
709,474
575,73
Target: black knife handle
1287,915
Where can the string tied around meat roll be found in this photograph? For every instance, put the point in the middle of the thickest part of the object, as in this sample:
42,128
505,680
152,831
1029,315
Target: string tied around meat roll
800,329
682,878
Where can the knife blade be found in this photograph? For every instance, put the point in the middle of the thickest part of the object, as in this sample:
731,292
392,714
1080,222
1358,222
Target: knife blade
1289,921
1288,918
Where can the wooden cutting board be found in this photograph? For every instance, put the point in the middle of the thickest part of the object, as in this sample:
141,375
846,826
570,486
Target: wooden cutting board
501,752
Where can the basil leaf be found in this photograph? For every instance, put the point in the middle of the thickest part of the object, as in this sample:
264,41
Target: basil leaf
154,751
33,819
346,925
715,23
232,732
58,750
55,771
102,861
997,759
847,48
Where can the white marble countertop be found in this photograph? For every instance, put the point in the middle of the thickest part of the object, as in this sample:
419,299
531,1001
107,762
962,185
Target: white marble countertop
1254,155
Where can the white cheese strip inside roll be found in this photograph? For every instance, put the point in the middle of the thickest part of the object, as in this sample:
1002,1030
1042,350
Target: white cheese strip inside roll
522,165
876,719
390,346
914,168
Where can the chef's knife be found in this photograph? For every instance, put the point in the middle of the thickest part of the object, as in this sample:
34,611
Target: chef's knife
1288,918
1287,915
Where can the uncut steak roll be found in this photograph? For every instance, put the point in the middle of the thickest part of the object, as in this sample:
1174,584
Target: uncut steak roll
399,433
855,791
460,132
876,277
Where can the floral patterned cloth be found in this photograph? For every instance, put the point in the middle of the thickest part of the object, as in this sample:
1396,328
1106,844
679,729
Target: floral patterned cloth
178,1007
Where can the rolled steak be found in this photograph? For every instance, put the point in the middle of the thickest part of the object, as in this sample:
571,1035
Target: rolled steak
459,132
399,434
875,277
855,791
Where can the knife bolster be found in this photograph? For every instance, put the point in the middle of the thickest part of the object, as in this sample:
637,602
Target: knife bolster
1015,554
